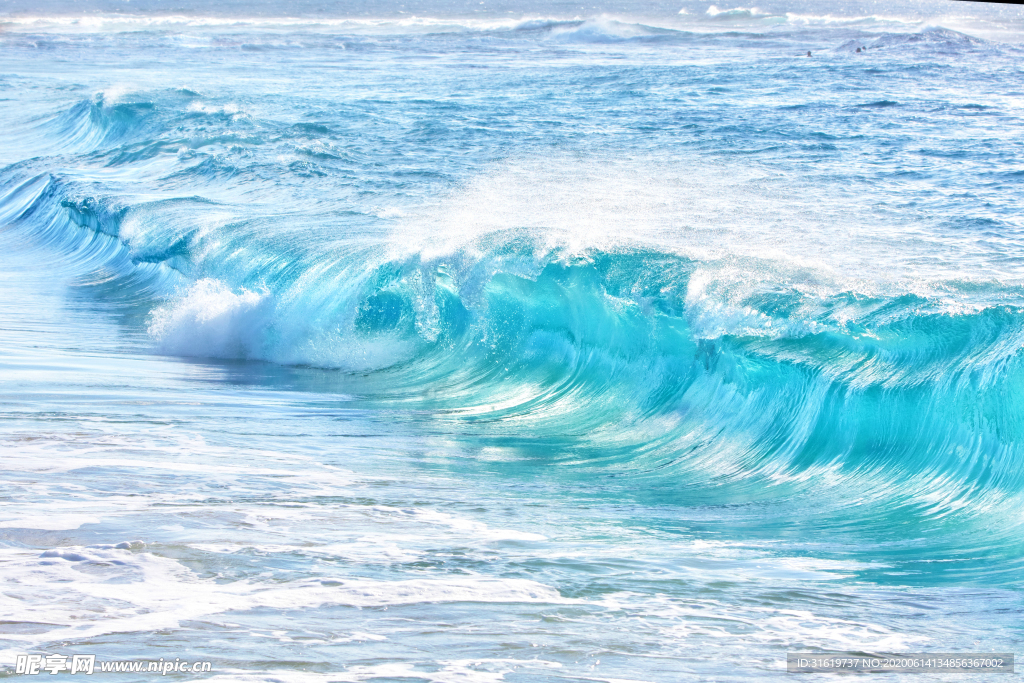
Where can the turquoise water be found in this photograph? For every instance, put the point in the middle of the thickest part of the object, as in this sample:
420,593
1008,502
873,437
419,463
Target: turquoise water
473,343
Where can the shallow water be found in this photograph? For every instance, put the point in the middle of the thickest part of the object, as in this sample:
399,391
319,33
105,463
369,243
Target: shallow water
458,343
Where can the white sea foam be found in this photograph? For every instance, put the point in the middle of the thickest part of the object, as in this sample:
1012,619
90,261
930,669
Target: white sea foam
211,320
52,588
230,109
481,670
731,217
733,13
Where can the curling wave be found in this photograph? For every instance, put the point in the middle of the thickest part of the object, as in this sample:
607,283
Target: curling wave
636,354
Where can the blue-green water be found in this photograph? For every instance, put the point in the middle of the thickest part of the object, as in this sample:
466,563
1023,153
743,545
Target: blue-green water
474,343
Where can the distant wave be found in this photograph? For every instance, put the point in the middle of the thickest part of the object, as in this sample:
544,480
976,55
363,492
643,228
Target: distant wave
714,19
602,30
120,21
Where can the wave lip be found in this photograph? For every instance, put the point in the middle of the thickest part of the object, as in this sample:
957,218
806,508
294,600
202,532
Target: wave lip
109,119
45,214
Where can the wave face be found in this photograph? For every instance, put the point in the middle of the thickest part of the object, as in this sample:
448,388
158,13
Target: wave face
742,280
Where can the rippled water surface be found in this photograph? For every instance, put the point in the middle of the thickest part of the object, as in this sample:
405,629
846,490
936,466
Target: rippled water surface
472,343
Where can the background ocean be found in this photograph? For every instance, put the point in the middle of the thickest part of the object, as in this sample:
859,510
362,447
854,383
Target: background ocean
469,342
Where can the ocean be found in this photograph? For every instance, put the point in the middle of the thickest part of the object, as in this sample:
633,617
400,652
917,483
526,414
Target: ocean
478,342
